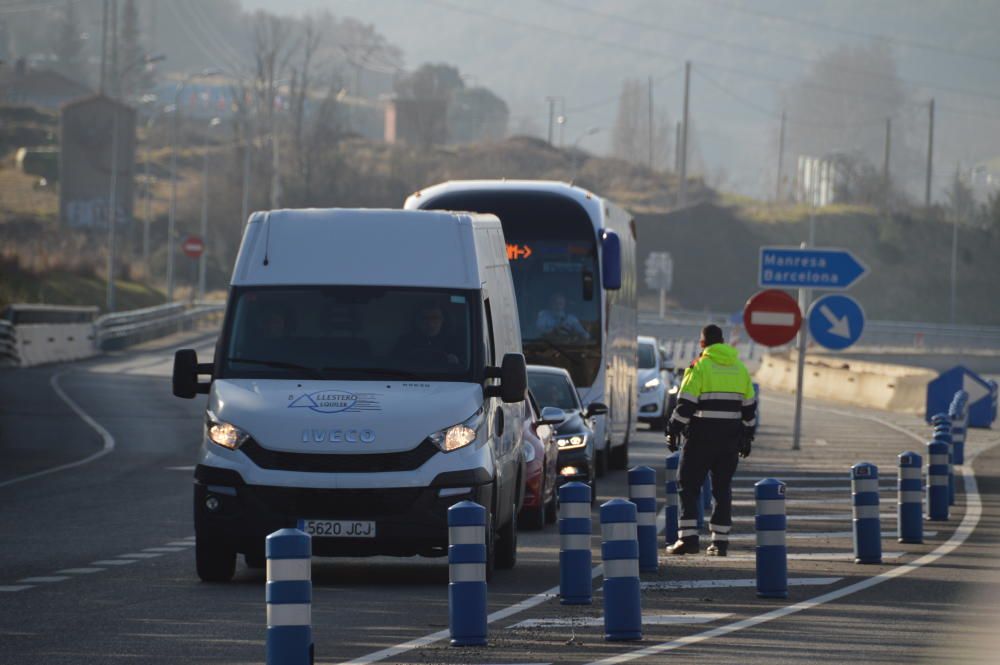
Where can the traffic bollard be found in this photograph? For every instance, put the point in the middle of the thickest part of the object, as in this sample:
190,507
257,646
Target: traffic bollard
642,492
867,527
673,501
959,412
947,440
467,574
575,580
937,481
620,553
910,499
772,552
289,598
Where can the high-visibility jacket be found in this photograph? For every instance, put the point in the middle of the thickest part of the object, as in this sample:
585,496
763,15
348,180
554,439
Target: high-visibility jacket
716,396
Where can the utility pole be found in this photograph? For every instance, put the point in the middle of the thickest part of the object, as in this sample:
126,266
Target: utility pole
930,155
677,148
552,116
781,158
115,82
112,210
885,162
954,254
682,197
104,46
649,97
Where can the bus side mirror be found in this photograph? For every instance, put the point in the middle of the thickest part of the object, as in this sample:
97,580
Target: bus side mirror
611,253
185,375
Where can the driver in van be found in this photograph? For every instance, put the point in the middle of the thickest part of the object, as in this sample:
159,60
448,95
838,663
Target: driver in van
556,321
428,338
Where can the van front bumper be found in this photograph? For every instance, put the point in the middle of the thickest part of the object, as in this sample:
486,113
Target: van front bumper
408,520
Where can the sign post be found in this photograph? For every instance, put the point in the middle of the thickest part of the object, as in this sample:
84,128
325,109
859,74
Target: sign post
193,247
660,275
805,268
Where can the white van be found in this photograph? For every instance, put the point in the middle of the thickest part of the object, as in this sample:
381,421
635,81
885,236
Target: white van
368,376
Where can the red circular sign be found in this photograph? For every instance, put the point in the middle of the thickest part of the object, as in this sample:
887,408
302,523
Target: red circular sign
193,246
772,318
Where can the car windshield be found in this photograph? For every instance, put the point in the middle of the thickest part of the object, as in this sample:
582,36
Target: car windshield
553,390
647,356
351,332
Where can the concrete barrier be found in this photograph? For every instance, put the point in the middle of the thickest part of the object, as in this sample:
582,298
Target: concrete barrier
875,385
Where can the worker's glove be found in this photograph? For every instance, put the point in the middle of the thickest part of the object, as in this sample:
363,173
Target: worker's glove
674,431
672,443
746,441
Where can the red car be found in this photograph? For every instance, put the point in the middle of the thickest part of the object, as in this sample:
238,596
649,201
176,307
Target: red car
541,502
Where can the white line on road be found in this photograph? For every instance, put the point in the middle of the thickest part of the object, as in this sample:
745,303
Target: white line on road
181,543
733,584
11,588
79,571
973,511
802,535
46,579
832,517
109,441
794,502
113,562
163,550
590,622
140,555
794,489
180,468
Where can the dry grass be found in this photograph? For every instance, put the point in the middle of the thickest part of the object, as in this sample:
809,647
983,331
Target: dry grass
21,196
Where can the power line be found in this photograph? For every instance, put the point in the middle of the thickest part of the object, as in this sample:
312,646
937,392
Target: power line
818,25
604,101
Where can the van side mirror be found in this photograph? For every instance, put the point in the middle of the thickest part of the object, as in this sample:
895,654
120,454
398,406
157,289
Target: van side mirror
596,409
186,371
611,261
552,415
513,375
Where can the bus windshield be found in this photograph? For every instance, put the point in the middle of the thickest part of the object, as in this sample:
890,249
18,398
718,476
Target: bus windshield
552,248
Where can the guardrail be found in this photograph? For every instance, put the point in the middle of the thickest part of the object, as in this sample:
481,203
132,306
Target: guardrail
123,329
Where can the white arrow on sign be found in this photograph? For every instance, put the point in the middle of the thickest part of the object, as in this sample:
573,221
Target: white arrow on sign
839,326
976,390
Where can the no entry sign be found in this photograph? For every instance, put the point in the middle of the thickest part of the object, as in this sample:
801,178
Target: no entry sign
193,246
772,318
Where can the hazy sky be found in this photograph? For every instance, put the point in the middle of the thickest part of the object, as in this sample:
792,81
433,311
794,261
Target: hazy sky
744,54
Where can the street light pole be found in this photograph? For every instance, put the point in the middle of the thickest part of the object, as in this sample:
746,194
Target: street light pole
204,218
576,143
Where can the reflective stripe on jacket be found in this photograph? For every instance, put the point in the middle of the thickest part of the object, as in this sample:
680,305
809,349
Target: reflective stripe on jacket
717,391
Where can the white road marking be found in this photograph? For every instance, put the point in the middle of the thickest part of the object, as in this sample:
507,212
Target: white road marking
818,556
802,535
140,555
181,543
647,620
794,502
11,588
821,442
791,490
832,517
45,579
973,512
733,584
113,562
79,571
180,468
839,478
165,549
109,441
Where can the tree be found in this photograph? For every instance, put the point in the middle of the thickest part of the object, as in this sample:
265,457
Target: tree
631,135
364,48
430,82
961,200
476,114
68,44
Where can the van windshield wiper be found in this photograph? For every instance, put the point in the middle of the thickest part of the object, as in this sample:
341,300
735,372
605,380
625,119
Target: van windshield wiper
380,372
311,371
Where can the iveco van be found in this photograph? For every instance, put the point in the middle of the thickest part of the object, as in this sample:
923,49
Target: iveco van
368,376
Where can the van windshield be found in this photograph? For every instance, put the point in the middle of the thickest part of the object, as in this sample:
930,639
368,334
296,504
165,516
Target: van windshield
351,332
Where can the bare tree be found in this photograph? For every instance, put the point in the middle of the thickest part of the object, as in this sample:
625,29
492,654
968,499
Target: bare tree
632,134
364,48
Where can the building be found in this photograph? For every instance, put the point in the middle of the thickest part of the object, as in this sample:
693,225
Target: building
44,88
421,122
86,129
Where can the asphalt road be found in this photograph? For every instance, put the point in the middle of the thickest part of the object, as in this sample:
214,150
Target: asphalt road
95,512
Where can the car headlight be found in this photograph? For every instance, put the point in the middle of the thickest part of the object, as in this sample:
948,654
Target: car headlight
224,434
460,435
652,384
529,453
572,441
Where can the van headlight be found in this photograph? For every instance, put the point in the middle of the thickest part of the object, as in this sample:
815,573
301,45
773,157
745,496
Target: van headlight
652,384
572,441
460,435
224,434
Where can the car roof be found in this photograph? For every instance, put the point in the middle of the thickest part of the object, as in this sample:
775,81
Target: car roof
646,339
546,369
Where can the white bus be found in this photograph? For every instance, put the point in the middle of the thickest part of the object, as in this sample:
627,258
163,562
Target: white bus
572,257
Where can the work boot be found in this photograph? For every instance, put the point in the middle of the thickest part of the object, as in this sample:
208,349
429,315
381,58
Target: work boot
717,549
687,545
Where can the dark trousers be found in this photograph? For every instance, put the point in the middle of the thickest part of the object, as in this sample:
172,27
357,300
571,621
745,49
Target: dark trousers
699,457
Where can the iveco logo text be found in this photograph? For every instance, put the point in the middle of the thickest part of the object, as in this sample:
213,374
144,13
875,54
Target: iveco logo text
338,436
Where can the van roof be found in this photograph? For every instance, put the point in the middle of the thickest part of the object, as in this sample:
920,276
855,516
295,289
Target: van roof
364,247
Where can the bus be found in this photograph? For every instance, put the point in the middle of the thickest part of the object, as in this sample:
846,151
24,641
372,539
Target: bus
572,258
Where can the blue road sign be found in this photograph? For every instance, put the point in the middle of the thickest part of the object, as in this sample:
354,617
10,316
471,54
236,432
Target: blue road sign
836,321
827,268
941,390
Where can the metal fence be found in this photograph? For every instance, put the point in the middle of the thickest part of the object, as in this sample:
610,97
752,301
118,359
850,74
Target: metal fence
123,329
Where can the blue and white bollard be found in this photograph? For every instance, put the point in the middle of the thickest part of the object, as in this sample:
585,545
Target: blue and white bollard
772,552
910,499
575,580
620,553
467,574
947,440
289,598
937,481
867,526
705,501
642,492
959,412
673,499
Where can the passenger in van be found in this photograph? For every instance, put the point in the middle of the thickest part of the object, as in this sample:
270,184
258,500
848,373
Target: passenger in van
557,322
428,340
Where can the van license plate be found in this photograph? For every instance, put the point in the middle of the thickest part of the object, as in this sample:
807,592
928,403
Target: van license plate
338,528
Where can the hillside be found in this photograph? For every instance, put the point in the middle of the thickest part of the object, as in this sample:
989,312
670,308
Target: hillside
715,250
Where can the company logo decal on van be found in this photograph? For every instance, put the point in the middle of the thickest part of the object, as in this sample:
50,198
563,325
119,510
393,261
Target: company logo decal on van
335,401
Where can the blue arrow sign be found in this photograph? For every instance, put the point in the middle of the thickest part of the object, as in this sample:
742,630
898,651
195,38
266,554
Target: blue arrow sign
941,390
827,268
836,321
